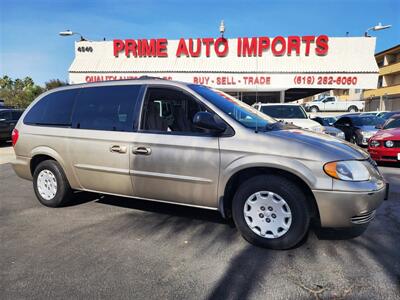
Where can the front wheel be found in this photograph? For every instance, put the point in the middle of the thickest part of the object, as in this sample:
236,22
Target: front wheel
51,185
271,212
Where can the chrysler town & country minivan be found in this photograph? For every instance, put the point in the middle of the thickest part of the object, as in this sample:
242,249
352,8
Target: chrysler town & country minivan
188,144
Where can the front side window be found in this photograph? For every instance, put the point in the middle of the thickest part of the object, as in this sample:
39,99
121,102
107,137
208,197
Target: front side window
170,110
284,111
239,111
109,108
55,109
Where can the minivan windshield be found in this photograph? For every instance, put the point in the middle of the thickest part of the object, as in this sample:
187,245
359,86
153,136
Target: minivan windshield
284,111
236,109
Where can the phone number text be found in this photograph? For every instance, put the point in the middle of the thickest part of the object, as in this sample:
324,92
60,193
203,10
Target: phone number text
325,80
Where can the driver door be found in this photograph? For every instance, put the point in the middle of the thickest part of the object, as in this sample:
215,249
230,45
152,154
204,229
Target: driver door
171,159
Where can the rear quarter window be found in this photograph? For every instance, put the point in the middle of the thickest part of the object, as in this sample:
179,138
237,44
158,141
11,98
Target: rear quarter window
55,109
109,108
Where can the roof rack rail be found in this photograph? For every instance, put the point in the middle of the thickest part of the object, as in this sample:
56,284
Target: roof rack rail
150,77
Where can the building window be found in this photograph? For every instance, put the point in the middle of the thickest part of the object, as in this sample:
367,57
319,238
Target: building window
380,82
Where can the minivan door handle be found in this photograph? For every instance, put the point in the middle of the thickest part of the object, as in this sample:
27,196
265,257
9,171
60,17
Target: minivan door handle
142,151
118,149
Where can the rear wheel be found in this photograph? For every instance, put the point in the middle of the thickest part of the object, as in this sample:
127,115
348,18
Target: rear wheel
353,109
314,109
51,185
271,212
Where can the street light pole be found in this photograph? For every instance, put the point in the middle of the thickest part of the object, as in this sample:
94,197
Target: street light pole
222,28
69,33
376,28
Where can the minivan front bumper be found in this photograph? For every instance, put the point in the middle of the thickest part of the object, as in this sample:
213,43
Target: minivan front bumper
339,209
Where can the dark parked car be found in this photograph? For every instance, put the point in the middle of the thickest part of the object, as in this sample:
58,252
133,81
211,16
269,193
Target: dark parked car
358,129
8,118
328,122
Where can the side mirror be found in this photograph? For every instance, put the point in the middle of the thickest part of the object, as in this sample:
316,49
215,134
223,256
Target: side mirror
206,120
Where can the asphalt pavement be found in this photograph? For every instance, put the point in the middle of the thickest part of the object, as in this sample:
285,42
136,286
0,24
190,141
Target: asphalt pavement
104,247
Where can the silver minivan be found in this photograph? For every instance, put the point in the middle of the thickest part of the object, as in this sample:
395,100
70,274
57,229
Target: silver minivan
188,144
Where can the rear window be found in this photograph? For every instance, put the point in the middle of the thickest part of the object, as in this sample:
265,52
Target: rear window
54,109
284,111
106,108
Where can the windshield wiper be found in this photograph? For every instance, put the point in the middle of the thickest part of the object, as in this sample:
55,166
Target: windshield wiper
280,126
274,126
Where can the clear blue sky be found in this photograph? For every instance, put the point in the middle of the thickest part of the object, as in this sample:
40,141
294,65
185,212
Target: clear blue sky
30,45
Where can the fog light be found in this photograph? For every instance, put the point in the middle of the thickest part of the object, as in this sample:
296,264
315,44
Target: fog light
389,144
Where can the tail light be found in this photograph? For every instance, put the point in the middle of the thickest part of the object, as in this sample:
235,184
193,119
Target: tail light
14,136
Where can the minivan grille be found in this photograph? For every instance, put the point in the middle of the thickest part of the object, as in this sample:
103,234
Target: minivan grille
363,218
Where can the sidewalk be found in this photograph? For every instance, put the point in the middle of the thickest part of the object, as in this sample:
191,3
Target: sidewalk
6,153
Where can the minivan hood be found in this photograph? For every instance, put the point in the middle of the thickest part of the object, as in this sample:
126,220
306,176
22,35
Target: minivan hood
309,142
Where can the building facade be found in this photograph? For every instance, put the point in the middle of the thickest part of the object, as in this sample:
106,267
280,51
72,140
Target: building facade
387,94
256,69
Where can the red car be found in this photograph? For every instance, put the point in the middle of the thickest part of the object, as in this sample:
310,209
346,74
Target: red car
385,144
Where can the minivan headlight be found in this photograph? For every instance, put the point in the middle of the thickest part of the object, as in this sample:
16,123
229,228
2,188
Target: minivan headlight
349,170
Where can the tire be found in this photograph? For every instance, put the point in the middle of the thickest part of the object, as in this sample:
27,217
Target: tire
314,109
353,140
353,109
280,188
51,185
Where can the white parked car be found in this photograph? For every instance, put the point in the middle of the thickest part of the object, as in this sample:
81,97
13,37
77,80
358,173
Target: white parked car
332,103
290,113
